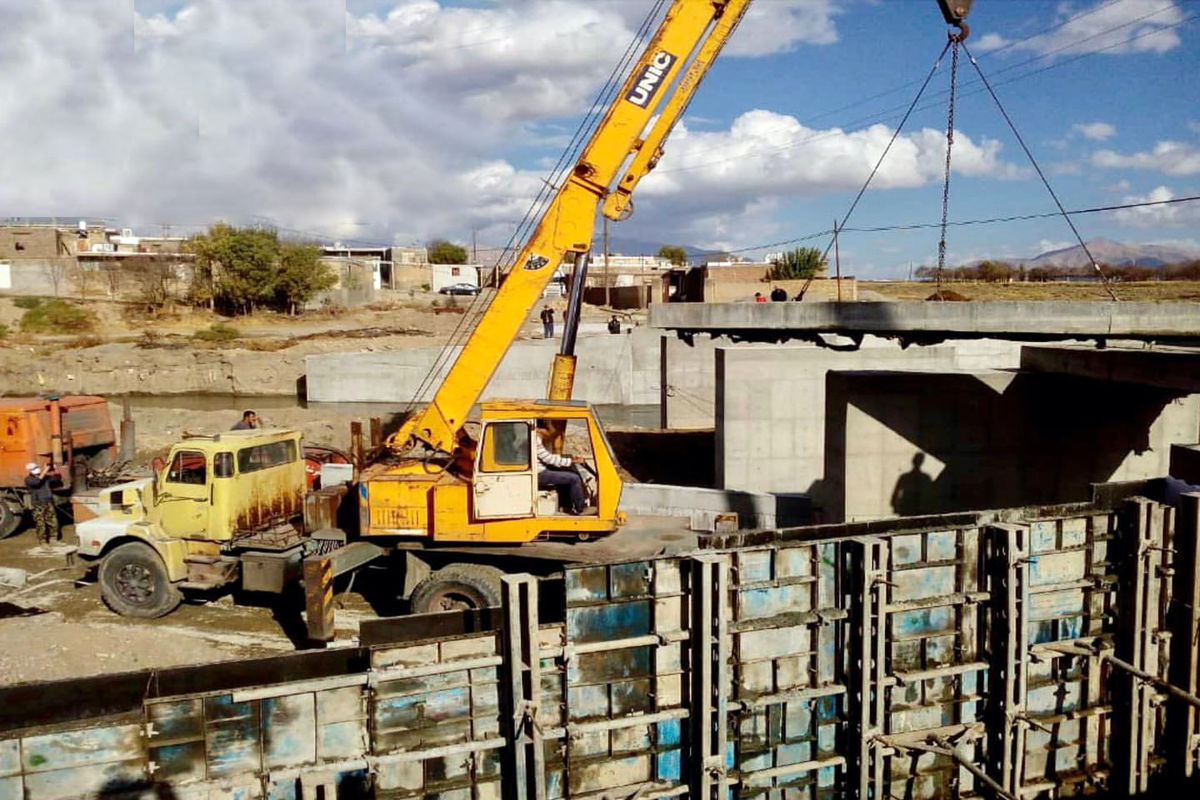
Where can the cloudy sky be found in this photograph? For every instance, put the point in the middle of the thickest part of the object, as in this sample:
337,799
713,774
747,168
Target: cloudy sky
399,120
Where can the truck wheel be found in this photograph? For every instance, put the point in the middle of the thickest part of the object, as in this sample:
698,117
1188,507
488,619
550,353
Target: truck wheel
458,587
11,516
134,582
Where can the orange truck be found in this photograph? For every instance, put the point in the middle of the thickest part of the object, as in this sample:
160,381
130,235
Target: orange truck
73,434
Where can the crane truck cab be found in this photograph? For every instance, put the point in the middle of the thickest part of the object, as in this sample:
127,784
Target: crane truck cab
183,527
487,490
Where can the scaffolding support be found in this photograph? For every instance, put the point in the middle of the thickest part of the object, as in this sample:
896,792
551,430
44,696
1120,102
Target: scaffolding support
522,674
1136,646
1010,678
1183,721
866,701
710,677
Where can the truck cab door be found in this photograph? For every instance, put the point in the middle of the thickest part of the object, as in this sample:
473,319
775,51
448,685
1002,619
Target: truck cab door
184,498
505,482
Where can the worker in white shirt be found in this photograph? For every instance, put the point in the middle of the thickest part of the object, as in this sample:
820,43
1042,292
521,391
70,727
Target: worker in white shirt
556,472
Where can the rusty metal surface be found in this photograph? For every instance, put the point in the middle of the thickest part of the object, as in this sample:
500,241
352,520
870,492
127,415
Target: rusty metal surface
961,656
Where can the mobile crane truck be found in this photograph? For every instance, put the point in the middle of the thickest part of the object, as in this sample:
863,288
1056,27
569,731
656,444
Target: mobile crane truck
453,498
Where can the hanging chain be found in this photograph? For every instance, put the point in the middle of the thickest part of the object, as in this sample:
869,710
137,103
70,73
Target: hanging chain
955,41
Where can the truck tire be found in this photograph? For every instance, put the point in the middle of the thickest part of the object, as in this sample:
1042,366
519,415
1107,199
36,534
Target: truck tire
458,587
11,516
134,582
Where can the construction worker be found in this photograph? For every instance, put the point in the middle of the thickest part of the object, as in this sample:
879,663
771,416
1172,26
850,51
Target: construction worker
41,484
248,422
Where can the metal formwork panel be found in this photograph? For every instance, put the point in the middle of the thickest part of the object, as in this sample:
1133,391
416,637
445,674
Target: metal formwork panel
1044,658
933,678
624,690
268,739
785,632
1063,711
435,719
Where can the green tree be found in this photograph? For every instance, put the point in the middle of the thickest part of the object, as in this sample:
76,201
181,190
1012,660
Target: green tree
241,269
444,252
301,275
798,264
673,253
235,268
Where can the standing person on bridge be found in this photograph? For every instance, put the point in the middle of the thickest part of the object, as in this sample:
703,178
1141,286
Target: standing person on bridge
41,484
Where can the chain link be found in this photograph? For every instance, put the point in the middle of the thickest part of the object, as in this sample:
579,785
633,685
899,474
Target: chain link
949,149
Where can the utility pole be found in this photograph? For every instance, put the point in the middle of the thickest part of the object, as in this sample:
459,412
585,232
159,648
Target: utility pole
474,249
837,259
607,278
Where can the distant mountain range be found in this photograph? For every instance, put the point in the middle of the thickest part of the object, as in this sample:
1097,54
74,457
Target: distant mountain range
1119,254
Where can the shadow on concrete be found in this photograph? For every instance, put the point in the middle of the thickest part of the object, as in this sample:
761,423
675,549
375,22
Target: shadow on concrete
1005,440
913,490
118,789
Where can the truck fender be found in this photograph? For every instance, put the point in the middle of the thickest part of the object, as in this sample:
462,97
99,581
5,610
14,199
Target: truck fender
171,551
416,569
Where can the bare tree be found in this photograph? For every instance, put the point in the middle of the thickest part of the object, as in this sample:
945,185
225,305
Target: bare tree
111,271
83,276
56,270
155,280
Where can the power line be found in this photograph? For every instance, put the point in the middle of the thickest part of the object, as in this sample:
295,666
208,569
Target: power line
913,226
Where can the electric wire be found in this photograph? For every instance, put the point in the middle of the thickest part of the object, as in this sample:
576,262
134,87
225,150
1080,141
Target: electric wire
1045,182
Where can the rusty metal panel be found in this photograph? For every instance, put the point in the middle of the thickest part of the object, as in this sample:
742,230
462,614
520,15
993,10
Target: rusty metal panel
435,718
72,764
787,674
942,658
623,656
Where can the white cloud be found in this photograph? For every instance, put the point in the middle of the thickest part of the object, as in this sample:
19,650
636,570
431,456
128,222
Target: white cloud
1099,131
769,154
1169,158
780,25
1123,26
1118,187
1158,216
185,111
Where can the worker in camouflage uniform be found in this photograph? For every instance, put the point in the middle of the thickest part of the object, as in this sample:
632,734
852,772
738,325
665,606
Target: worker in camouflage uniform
41,484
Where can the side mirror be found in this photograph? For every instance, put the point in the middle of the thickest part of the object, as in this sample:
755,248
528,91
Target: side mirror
157,464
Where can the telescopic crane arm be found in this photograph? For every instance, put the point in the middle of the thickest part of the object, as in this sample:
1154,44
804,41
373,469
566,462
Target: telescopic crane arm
689,38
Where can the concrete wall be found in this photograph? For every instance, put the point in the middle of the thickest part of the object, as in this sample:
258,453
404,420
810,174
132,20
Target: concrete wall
612,370
702,507
770,408
689,376
36,276
901,444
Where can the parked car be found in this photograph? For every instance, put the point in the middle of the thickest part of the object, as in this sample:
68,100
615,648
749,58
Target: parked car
459,288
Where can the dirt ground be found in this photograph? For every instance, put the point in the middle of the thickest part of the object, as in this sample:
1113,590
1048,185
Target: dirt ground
57,626
1148,291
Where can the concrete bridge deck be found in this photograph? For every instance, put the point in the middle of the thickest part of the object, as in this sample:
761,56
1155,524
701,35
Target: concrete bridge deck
1177,322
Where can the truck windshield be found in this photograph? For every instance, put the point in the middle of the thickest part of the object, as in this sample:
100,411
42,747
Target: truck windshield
188,466
265,456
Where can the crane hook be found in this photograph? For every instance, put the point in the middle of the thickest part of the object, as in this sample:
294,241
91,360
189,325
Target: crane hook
959,36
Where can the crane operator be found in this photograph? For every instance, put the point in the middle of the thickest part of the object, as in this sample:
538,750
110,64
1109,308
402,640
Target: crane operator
556,472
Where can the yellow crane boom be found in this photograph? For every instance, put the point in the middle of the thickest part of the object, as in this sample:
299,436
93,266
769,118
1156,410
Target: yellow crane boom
688,40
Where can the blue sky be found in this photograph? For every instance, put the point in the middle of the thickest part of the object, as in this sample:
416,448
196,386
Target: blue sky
400,120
